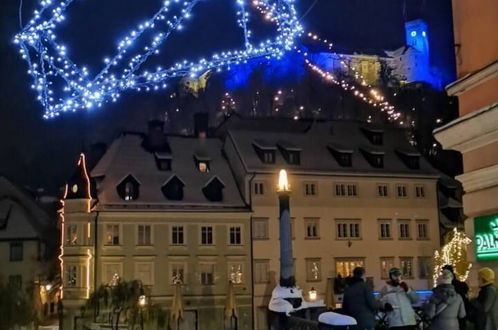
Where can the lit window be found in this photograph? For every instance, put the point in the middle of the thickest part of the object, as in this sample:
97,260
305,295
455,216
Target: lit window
235,236
404,229
144,235
128,189
112,235
385,229
177,235
313,270
206,235
382,190
385,265
203,167
260,228
178,272
235,273
345,267
311,228
207,274
261,271
406,267
422,229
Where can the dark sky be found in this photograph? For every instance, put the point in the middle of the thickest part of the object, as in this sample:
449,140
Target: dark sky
41,153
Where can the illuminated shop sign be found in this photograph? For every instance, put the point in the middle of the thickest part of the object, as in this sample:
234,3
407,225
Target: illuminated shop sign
486,234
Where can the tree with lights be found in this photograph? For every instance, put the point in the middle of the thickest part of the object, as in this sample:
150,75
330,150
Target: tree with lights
453,253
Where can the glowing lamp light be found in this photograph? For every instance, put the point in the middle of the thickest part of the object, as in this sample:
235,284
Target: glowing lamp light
283,183
142,301
48,287
312,294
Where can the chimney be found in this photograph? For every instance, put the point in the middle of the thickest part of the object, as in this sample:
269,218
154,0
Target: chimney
155,134
201,124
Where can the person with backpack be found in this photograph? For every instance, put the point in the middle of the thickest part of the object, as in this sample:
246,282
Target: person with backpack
445,306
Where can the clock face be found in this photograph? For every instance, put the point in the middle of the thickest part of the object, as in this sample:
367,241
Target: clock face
74,188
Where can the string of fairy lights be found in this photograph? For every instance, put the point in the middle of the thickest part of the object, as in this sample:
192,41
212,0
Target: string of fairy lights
50,65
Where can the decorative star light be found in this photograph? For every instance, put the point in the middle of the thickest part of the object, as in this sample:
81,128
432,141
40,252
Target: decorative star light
64,86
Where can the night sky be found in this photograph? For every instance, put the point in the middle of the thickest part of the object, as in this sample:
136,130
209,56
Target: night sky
42,153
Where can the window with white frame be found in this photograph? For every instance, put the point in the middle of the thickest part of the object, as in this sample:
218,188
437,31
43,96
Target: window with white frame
72,234
261,270
71,276
311,228
235,235
144,271
346,189
386,263
178,272
260,228
347,229
404,229
112,235
111,272
340,189
313,270
401,190
352,189
345,266
177,235
310,189
259,188
236,272
406,264
419,191
206,235
424,267
383,190
422,229
385,229
144,235
207,273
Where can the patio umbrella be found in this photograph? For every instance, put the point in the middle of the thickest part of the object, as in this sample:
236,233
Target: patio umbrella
231,304
177,306
329,295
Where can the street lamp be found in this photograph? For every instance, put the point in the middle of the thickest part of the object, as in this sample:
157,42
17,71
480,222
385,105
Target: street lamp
142,301
312,294
286,260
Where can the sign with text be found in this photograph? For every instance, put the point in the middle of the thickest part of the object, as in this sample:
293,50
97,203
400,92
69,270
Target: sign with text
486,237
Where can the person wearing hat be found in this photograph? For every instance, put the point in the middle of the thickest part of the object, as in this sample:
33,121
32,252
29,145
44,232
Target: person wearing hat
445,307
486,304
397,299
359,301
463,290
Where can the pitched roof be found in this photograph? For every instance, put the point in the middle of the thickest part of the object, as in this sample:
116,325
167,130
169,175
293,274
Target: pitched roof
315,144
127,156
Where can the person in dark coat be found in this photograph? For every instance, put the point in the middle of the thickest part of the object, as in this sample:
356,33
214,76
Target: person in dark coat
359,301
486,304
445,306
463,290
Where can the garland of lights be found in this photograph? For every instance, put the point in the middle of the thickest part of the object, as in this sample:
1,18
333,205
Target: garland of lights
50,66
453,253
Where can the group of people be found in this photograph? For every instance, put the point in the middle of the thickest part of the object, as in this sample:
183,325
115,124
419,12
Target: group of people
448,308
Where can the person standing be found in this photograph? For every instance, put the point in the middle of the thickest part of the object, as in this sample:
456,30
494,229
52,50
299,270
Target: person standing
463,290
397,299
359,301
445,306
486,303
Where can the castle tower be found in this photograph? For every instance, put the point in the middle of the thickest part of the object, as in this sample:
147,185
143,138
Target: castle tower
77,248
417,36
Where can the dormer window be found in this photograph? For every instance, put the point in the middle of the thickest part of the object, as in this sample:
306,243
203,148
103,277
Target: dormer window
173,189
265,151
213,190
343,156
410,158
375,136
128,189
163,161
202,163
374,158
291,153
